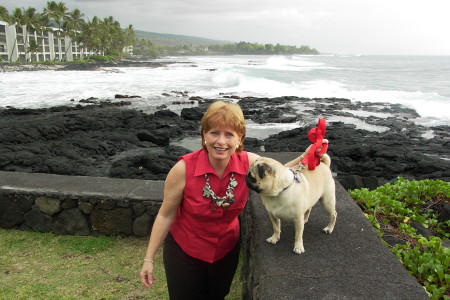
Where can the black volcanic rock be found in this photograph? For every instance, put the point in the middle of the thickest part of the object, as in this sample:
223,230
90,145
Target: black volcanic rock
82,140
192,113
108,139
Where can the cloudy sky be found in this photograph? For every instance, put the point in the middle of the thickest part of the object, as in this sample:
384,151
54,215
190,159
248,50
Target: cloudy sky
406,27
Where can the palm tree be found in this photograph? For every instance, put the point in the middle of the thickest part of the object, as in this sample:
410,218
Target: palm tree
56,12
104,36
41,27
74,21
107,28
30,24
4,15
89,34
33,48
42,22
130,36
18,18
113,38
73,25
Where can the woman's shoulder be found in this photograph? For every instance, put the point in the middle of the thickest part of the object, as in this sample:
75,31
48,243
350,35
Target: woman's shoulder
252,157
192,155
178,170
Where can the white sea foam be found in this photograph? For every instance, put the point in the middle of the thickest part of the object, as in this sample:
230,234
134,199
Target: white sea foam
365,114
358,123
429,134
263,131
283,63
422,84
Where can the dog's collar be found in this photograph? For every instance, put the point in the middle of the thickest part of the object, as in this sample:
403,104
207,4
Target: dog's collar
296,178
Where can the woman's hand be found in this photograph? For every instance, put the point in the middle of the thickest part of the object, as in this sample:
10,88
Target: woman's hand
146,274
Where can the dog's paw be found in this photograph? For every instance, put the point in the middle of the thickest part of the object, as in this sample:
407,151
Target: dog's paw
273,240
299,250
327,230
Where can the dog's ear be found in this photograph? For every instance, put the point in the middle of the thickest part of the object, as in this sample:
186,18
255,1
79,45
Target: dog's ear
262,168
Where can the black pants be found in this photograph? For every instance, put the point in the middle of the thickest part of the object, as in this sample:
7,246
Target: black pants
189,278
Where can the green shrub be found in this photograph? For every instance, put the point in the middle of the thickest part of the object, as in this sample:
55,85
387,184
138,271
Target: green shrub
392,207
102,58
429,262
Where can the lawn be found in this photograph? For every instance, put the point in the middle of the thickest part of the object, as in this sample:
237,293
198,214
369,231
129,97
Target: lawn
36,265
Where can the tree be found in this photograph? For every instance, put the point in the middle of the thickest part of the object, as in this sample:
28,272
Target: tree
4,14
17,18
113,37
73,22
107,34
41,23
145,47
130,36
72,25
56,12
33,48
30,23
89,34
101,36
269,49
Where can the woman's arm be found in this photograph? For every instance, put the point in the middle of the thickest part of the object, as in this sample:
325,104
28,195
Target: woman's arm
252,157
297,160
173,194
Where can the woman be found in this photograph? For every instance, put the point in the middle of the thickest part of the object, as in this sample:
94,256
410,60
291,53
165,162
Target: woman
204,194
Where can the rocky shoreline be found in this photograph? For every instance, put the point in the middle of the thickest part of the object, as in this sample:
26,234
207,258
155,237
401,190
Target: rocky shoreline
109,139
78,66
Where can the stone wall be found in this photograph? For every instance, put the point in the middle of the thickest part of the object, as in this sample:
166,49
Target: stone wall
78,205
350,263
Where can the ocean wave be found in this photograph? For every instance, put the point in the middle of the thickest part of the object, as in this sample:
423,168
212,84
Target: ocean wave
288,63
257,76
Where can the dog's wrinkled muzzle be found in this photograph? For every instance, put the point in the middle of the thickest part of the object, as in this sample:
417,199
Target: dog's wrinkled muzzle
250,182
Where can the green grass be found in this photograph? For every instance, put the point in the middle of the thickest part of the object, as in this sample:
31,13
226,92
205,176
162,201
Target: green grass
37,265
391,209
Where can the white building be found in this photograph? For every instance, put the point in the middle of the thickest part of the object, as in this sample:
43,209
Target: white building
52,45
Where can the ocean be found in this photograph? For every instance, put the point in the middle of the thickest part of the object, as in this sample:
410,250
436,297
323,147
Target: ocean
419,82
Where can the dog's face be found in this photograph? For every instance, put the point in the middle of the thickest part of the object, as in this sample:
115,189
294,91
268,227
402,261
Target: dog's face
264,176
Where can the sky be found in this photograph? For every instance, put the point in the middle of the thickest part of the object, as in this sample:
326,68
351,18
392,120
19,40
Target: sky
366,27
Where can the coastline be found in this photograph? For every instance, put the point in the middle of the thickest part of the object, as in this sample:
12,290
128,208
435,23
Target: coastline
77,66
109,139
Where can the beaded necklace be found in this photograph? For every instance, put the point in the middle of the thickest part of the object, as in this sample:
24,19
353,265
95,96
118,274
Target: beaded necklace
217,201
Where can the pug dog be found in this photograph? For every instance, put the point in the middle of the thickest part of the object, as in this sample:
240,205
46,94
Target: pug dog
289,194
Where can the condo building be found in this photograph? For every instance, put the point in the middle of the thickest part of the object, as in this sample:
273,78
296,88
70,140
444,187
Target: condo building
17,44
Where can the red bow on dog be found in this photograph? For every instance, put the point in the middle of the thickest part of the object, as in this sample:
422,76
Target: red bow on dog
318,148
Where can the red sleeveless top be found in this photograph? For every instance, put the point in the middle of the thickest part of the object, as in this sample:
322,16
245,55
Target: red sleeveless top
203,233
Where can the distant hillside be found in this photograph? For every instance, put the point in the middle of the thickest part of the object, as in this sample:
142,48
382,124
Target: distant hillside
165,39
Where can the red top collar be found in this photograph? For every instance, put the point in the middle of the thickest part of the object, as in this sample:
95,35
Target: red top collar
204,166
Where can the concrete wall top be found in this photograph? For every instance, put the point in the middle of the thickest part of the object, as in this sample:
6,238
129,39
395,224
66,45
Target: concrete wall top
102,187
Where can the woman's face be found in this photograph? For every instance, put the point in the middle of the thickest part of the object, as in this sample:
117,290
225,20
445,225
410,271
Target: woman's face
221,143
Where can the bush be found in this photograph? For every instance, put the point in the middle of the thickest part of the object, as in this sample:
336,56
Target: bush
102,58
393,207
429,262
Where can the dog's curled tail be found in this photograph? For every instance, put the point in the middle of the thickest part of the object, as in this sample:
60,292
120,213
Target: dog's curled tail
326,159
